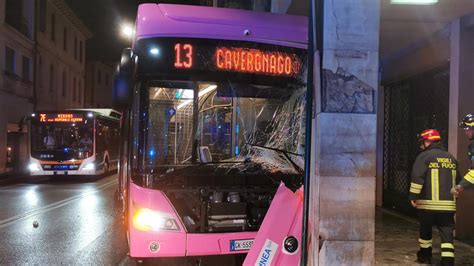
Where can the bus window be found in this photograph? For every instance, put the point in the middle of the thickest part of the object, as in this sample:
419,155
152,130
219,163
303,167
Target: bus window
60,141
101,132
170,125
216,126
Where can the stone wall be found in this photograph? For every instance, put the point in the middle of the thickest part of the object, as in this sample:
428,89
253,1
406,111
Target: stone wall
346,132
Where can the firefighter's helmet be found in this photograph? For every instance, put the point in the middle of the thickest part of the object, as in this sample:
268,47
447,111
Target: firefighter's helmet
429,134
467,122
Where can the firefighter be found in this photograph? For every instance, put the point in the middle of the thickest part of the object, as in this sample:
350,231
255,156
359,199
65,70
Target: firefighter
434,173
468,125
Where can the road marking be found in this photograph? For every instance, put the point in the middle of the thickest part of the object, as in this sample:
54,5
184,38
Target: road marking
50,207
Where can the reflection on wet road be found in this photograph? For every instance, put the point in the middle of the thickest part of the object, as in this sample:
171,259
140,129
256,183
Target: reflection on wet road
77,222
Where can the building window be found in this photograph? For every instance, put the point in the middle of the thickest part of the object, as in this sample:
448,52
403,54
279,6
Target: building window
80,91
15,18
51,78
42,15
40,76
25,68
74,90
9,60
75,48
99,77
65,40
64,88
53,27
80,51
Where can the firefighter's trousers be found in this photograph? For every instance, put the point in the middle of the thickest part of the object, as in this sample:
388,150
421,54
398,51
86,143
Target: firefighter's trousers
444,221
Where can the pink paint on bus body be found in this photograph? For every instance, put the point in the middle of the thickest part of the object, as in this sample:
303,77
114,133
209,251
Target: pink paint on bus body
164,20
174,243
283,219
171,243
215,243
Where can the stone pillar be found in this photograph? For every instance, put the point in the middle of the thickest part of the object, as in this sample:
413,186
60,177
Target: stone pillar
346,134
461,97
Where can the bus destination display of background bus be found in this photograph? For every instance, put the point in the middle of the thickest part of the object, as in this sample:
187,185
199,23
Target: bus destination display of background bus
61,118
208,57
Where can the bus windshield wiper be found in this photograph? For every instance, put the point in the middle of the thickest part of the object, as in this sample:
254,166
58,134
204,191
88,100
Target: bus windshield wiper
285,153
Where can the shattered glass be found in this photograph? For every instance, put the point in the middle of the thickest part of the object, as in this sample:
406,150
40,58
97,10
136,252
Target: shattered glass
230,127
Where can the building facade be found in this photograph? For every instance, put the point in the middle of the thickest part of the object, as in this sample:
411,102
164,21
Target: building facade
57,82
61,57
16,79
98,92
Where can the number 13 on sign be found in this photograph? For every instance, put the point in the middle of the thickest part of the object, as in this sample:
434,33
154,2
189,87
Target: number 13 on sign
187,51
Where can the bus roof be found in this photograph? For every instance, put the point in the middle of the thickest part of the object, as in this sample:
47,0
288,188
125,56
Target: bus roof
101,111
169,20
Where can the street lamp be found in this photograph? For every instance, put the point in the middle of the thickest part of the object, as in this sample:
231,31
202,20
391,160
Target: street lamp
127,31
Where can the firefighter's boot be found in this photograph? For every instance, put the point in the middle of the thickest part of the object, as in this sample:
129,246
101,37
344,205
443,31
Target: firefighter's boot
424,255
447,261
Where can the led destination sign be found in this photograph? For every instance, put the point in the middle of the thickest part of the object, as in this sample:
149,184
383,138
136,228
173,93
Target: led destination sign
60,118
256,61
220,59
242,60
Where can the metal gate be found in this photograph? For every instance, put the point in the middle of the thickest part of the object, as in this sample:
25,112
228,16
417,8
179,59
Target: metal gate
411,105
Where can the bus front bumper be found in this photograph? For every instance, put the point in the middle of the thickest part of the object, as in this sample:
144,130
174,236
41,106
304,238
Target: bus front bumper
181,244
62,173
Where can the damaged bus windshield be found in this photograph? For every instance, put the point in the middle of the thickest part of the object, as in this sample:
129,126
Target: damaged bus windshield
210,126
204,108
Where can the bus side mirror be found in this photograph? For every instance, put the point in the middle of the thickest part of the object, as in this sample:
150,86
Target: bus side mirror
123,80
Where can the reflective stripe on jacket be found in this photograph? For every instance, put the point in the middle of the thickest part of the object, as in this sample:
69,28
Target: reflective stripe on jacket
434,173
468,179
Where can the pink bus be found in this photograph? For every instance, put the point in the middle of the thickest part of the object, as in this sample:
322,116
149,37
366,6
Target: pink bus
214,120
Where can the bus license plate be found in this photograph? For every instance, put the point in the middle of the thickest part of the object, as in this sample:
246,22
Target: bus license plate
244,244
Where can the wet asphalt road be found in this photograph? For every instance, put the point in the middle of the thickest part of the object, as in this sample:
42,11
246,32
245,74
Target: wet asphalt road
78,223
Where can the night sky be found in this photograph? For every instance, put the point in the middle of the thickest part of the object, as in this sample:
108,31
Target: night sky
104,19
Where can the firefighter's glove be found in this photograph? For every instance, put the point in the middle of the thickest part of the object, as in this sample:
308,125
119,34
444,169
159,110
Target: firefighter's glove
457,190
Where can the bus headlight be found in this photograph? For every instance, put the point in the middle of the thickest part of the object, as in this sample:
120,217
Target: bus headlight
89,166
148,220
33,167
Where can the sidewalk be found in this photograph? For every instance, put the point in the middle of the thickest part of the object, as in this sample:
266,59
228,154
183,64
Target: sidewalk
12,177
396,241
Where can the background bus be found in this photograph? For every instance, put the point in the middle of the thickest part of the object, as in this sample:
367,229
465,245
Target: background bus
214,100
74,142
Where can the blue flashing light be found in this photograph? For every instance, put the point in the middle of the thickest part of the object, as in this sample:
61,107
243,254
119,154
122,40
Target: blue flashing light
152,153
65,150
155,51
219,126
237,128
236,150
